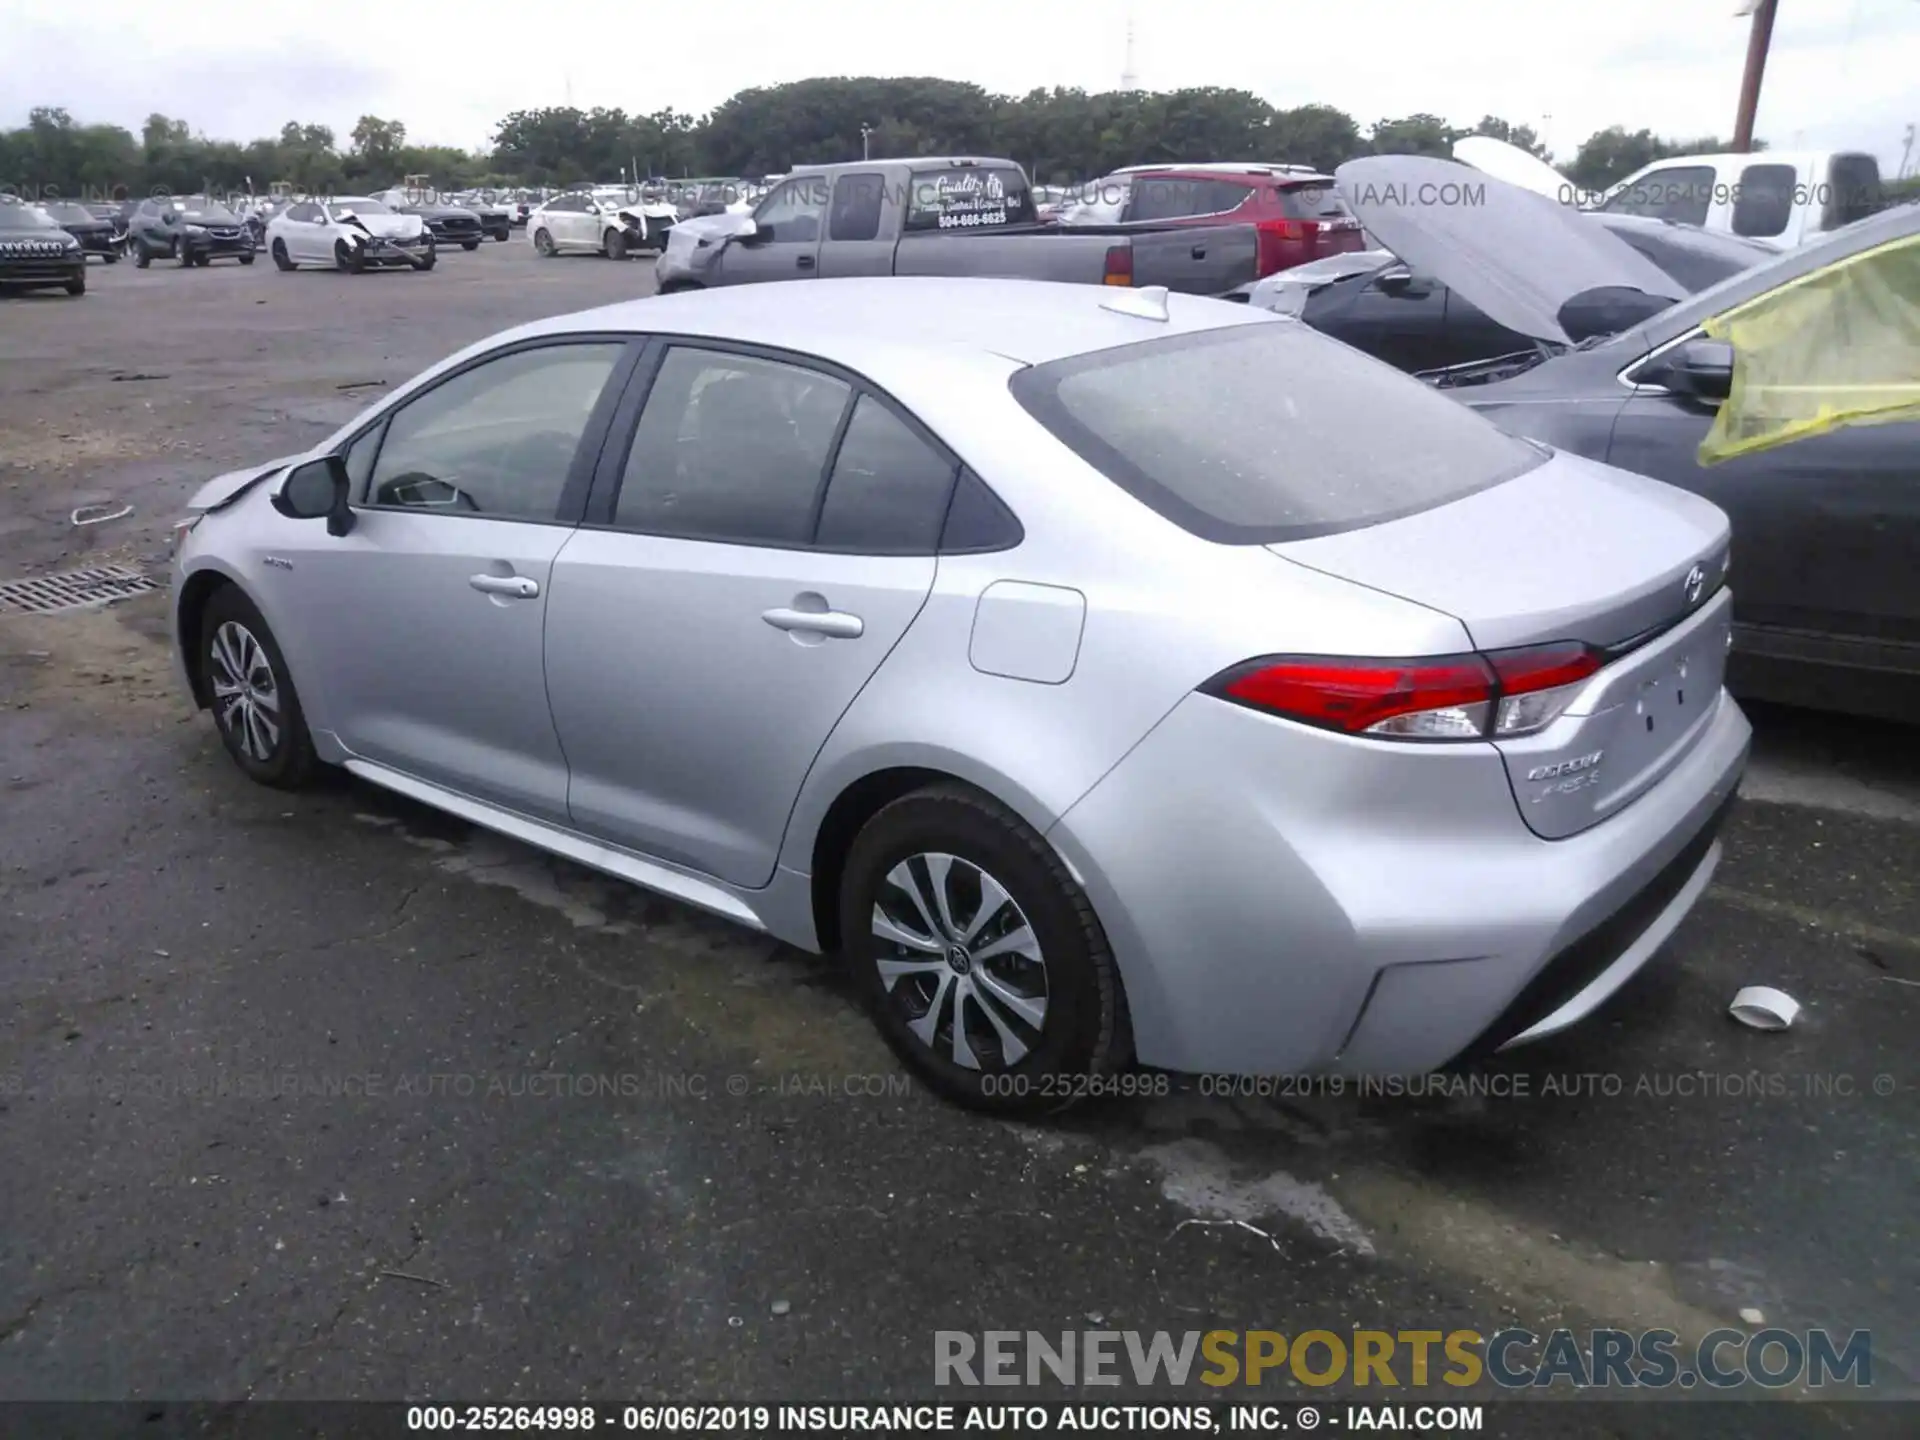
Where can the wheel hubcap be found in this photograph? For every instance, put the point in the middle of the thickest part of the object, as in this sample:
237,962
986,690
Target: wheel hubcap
960,960
246,695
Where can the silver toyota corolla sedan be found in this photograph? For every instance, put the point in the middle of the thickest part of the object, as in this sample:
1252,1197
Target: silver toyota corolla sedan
1105,674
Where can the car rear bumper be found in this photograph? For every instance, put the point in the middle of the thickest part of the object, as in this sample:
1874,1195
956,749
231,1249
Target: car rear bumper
1284,900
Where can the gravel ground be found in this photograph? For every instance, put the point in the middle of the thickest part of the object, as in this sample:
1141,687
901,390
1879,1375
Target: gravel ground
331,1097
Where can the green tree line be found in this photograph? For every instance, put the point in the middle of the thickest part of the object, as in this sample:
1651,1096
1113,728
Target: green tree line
1063,136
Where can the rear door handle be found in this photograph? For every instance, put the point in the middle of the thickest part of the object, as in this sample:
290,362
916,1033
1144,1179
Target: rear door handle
804,262
1199,252
817,622
519,587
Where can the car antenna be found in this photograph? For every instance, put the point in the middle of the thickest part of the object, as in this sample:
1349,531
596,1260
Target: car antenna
1149,302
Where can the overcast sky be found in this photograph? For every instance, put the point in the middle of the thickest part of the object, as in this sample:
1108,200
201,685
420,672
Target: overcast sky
1842,74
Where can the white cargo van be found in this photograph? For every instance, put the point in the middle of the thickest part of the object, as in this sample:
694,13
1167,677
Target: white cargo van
1783,198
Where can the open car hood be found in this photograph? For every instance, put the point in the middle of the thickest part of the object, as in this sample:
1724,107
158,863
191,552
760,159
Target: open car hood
1516,254
1515,166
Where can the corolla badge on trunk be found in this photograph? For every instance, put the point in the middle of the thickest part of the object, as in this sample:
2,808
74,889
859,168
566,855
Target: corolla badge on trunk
1565,767
1694,585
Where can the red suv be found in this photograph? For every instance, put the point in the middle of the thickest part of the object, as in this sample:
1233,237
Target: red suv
1298,213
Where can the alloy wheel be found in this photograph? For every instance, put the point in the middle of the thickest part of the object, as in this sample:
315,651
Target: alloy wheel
246,693
961,962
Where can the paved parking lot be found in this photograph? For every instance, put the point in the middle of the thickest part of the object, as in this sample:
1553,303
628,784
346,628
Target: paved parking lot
331,1096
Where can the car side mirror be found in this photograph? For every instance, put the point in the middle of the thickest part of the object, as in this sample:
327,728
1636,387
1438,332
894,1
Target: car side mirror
749,232
1403,284
1700,368
318,490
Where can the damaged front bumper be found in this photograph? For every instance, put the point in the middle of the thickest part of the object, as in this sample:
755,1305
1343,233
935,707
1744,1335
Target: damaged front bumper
413,250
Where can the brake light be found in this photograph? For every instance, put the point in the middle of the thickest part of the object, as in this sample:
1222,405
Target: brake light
1119,265
1448,697
1536,684
1278,244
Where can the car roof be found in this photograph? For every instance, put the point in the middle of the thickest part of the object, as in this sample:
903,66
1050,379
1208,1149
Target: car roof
921,162
871,324
1229,167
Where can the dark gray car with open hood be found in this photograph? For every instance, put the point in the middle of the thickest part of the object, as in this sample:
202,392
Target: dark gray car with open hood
1826,517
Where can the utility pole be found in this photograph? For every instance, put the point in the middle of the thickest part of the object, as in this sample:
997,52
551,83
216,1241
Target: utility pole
1759,38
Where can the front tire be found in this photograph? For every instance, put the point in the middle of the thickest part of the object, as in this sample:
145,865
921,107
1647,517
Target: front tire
255,706
543,244
615,245
246,257
979,956
347,259
78,284
469,244
142,256
426,263
281,259
182,256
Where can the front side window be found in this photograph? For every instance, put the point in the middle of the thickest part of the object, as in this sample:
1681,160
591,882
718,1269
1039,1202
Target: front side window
793,212
1683,193
731,448
497,440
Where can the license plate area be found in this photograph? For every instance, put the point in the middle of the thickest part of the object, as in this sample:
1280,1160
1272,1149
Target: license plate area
1639,719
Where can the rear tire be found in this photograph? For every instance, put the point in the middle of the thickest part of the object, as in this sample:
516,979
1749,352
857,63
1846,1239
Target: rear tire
281,259
255,707
1023,939
615,245
182,256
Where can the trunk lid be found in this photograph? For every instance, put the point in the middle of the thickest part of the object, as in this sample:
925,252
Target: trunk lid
1571,551
1516,255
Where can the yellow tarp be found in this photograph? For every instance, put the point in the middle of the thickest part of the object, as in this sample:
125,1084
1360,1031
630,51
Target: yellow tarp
1840,346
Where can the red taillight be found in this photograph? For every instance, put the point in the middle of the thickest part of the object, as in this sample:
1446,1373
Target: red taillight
1543,667
1119,265
1447,697
1285,243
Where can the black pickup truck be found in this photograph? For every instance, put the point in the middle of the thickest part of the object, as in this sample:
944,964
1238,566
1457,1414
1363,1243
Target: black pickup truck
940,216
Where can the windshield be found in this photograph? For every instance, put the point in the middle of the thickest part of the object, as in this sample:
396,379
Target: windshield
358,207
1262,432
25,217
206,211
67,213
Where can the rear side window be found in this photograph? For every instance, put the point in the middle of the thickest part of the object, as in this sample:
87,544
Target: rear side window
889,490
1679,192
730,448
1173,198
1854,191
1264,432
1764,202
1312,202
967,197
855,212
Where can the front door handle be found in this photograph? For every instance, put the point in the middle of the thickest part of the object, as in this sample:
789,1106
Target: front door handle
831,623
803,262
519,587
1199,252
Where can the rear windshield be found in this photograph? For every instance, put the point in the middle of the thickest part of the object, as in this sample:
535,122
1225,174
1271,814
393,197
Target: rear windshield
1267,431
966,197
1313,201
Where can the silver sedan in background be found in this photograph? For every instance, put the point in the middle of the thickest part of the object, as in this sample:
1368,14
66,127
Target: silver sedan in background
1104,674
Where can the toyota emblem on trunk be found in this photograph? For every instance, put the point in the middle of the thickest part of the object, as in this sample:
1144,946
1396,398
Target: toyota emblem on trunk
1695,582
